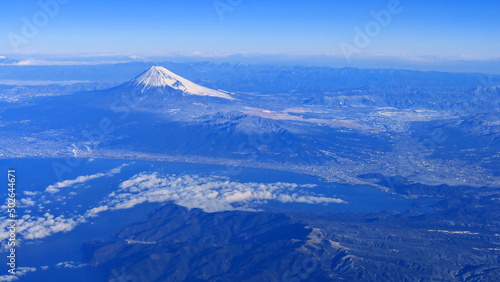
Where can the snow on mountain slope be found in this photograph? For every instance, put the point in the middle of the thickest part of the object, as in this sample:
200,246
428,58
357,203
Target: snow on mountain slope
157,76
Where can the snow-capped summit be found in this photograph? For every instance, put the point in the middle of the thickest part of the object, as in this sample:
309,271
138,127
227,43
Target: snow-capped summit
157,76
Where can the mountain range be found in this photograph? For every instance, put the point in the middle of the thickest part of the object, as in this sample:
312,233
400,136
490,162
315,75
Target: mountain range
338,135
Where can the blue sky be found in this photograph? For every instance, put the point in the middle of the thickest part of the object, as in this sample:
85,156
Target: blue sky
468,30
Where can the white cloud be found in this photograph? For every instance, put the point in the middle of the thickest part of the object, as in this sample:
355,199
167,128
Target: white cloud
23,270
70,264
39,227
81,179
63,63
27,202
94,211
20,271
211,194
8,278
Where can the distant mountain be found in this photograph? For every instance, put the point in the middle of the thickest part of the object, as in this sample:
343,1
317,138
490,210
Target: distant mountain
158,77
258,78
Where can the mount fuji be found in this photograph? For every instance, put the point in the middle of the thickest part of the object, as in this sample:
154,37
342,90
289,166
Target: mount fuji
159,78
